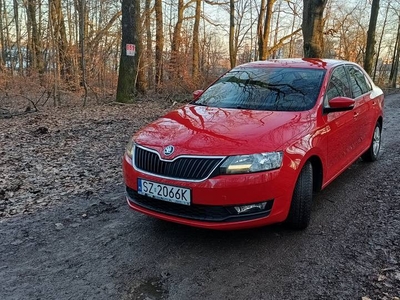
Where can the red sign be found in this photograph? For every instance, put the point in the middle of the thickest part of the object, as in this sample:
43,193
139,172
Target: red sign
130,49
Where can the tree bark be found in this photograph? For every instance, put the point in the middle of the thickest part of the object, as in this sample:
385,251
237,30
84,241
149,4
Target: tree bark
140,79
82,46
264,28
274,52
2,43
36,55
159,43
370,49
176,43
196,47
60,36
3,27
128,65
232,53
20,62
149,46
395,61
380,41
313,27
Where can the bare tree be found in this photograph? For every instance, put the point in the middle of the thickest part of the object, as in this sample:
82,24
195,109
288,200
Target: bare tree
149,45
3,26
380,40
196,46
370,49
240,25
176,42
264,27
128,66
82,37
2,41
18,36
232,52
159,43
37,62
60,37
313,27
395,60
141,77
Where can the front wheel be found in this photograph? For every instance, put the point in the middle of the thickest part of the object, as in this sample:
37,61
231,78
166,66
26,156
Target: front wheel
300,208
373,151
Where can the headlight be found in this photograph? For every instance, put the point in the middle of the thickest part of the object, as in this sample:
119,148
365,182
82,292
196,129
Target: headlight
252,163
129,148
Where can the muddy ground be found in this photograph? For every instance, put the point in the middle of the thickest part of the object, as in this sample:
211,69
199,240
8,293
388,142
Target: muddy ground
66,232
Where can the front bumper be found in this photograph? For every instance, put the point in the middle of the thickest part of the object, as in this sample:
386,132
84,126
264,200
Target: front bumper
213,199
205,213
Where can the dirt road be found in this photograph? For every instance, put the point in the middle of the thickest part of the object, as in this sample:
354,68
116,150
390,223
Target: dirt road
95,248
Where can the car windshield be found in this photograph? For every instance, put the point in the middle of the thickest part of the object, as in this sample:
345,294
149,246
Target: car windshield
274,89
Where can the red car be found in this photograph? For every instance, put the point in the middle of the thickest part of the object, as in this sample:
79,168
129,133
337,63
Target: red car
252,148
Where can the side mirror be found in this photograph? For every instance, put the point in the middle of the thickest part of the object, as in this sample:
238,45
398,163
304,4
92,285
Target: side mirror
197,94
339,104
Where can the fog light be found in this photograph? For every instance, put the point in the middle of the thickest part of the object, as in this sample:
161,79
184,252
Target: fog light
250,208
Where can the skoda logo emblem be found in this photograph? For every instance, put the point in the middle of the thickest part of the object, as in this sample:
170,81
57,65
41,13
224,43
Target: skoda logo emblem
169,150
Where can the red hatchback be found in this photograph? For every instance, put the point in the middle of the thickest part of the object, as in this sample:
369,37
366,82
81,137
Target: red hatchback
252,148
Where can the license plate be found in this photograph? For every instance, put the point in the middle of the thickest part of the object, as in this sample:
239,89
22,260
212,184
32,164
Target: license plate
164,192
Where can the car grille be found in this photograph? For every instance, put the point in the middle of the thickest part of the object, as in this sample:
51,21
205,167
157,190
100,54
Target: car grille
206,213
190,168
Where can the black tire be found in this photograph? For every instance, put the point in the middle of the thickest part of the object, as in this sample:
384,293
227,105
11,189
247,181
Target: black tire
373,151
300,208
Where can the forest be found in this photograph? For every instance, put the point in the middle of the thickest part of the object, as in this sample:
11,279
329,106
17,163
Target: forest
53,50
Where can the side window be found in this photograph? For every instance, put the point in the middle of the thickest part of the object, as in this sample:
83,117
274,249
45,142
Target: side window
359,84
338,85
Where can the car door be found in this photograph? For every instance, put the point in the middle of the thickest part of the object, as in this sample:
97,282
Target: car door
341,132
362,112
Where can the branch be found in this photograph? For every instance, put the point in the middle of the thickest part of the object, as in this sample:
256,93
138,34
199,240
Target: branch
186,5
216,3
282,40
33,103
210,21
100,34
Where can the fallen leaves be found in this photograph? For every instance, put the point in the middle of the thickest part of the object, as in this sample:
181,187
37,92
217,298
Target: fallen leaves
49,156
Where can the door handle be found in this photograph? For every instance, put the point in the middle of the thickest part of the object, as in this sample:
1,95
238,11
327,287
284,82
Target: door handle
356,114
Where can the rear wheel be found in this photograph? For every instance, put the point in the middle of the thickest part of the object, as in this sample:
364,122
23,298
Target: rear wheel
373,151
300,208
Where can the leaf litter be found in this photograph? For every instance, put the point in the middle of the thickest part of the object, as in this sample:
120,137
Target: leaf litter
56,153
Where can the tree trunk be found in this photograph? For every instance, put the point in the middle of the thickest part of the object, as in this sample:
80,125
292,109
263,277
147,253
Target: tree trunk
2,42
264,28
149,46
380,41
313,27
140,79
274,53
37,58
128,65
20,63
370,49
53,59
395,61
60,36
159,43
232,54
175,66
82,37
260,23
196,47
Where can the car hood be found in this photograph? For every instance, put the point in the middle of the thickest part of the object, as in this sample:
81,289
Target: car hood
201,130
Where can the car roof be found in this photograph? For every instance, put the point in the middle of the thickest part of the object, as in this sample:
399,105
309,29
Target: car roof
309,63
